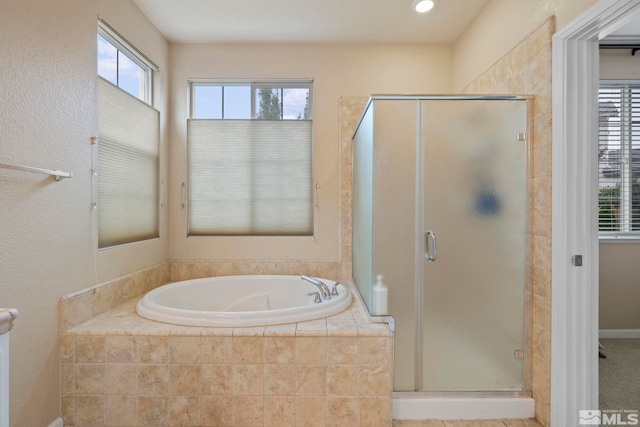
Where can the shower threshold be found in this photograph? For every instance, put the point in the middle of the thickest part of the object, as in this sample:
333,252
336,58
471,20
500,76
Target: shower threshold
462,405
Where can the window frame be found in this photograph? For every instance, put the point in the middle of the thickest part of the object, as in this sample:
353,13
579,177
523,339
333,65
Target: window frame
132,53
254,84
628,236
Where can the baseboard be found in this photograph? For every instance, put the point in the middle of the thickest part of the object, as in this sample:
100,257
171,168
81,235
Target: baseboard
57,423
619,333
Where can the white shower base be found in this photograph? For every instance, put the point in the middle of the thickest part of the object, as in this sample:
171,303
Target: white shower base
461,408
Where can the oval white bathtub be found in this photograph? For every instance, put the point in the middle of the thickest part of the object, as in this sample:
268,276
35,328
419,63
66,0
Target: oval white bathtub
234,301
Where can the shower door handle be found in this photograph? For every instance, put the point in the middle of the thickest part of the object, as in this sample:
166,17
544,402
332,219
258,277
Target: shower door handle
430,235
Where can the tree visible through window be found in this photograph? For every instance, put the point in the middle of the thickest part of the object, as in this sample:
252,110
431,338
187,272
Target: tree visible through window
250,152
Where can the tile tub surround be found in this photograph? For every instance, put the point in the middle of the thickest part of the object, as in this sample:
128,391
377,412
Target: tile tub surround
119,369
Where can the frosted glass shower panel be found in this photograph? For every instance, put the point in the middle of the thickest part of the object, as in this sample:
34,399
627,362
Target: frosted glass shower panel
362,205
475,204
394,224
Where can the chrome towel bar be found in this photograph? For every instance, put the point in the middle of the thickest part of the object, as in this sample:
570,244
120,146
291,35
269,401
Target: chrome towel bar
58,175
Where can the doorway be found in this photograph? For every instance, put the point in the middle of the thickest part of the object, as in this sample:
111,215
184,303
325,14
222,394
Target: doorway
574,312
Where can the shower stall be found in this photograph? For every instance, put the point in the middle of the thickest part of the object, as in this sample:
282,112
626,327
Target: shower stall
440,217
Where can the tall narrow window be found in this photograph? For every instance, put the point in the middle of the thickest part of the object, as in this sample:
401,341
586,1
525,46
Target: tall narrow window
250,165
128,165
619,159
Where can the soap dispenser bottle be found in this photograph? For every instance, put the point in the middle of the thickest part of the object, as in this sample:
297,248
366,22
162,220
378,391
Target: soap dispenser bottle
380,297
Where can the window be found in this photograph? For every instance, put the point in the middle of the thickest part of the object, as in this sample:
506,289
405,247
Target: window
619,159
250,158
121,64
128,166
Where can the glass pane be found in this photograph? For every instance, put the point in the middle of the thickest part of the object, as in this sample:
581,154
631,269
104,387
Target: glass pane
394,227
295,104
237,102
107,60
207,102
268,105
475,203
130,76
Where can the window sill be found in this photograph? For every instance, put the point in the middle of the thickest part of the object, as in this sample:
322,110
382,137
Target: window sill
619,239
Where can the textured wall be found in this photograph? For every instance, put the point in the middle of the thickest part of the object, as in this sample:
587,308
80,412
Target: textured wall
48,113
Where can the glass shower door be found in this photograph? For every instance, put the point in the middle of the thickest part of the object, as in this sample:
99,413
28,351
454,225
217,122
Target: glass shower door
473,237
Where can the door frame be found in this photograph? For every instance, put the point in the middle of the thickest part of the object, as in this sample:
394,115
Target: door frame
574,290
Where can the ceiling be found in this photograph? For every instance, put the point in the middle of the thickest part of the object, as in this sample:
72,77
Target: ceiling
309,21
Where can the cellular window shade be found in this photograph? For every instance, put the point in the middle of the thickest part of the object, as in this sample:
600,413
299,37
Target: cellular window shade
619,159
127,167
250,177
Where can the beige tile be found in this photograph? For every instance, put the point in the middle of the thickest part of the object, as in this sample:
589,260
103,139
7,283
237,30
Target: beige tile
120,349
184,411
311,380
121,379
90,379
67,409
279,380
343,412
216,411
342,350
216,379
376,412
67,349
68,379
247,350
375,350
342,380
184,380
121,411
248,411
184,349
248,380
279,350
89,349
311,411
89,410
312,328
375,381
215,349
153,380
311,350
78,309
279,411
152,349
152,411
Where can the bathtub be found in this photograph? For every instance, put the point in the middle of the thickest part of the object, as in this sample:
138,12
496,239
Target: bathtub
234,301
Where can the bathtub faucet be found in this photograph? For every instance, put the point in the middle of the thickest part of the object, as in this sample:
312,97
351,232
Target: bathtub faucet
324,289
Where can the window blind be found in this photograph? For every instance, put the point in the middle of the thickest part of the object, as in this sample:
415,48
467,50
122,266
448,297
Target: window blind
250,177
619,159
127,167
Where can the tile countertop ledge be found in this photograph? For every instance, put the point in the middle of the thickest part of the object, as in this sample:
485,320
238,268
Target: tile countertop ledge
7,316
124,320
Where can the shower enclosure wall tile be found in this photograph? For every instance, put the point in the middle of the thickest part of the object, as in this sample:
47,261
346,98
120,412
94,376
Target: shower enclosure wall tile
343,412
376,412
121,410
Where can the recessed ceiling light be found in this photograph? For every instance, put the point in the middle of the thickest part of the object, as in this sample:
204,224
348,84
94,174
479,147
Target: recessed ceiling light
423,6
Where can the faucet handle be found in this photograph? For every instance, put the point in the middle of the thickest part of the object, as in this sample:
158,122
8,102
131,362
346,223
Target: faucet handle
334,290
316,296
